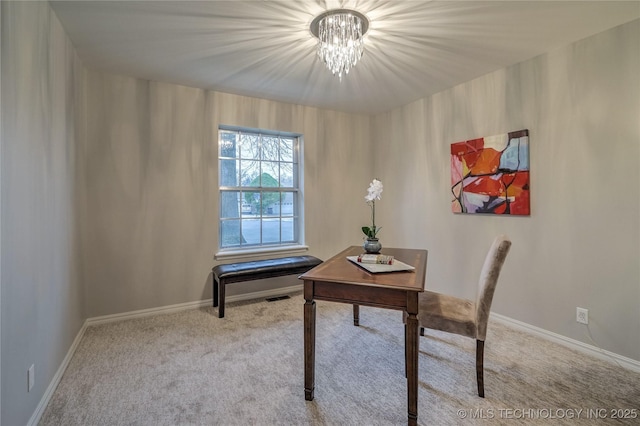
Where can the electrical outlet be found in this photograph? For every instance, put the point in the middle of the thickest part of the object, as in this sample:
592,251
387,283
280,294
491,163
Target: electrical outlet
582,315
31,377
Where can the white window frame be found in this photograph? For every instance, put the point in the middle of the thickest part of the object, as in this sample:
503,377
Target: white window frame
248,250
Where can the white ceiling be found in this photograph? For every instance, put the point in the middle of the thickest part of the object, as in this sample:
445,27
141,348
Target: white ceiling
265,49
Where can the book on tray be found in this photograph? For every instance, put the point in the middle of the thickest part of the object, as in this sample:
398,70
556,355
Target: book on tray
380,259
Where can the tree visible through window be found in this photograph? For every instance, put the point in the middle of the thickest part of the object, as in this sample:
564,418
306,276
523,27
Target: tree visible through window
258,188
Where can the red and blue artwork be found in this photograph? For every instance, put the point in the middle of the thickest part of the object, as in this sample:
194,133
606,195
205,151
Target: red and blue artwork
491,175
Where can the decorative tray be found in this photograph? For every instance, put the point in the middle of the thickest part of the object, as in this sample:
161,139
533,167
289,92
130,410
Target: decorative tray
376,268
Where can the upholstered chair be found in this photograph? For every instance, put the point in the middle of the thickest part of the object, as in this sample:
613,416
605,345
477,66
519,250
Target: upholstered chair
464,317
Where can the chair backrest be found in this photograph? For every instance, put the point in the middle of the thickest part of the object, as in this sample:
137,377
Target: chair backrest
488,280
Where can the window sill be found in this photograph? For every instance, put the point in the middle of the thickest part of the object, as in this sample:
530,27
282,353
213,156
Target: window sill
242,254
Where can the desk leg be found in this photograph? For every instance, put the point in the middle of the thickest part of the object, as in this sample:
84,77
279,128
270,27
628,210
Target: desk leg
411,336
309,341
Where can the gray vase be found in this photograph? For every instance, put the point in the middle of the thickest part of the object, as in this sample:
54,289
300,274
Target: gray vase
372,245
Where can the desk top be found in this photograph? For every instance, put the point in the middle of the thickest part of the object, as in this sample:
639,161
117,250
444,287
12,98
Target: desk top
339,269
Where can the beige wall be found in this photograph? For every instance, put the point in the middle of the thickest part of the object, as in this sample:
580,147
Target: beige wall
581,244
149,177
42,296
109,200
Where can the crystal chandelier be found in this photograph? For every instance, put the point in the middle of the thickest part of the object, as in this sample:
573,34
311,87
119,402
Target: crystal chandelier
340,43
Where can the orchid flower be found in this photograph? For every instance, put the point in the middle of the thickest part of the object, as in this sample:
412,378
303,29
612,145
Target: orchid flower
374,192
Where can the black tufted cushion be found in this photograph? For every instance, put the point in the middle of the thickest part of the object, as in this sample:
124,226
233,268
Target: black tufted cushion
255,268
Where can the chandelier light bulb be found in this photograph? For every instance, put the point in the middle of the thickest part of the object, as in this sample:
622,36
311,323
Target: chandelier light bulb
340,39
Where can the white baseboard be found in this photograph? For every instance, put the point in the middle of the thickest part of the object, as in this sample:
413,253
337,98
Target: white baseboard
191,305
103,319
44,401
628,363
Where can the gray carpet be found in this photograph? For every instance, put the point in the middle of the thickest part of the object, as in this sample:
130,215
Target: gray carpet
191,368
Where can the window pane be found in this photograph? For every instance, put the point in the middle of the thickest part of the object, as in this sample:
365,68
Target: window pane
250,146
250,171
230,233
228,144
271,231
270,148
251,231
288,207
265,180
286,149
229,172
252,199
272,170
229,204
245,206
270,203
286,175
288,227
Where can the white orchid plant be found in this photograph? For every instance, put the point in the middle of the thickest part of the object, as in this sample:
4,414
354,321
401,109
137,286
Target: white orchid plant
373,193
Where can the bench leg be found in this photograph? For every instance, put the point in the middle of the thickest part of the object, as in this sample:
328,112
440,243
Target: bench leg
215,292
221,289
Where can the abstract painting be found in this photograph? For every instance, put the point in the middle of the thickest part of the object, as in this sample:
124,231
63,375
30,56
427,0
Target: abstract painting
491,174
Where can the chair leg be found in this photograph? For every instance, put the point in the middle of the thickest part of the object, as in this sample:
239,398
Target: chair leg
480,366
356,315
422,331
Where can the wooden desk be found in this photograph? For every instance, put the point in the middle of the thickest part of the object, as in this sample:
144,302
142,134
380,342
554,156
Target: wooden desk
339,280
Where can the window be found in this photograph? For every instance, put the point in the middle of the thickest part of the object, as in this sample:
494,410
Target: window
259,189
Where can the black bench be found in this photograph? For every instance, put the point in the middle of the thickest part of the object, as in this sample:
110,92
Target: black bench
256,270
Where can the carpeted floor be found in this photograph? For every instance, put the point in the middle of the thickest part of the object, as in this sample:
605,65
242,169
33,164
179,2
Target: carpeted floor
192,368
